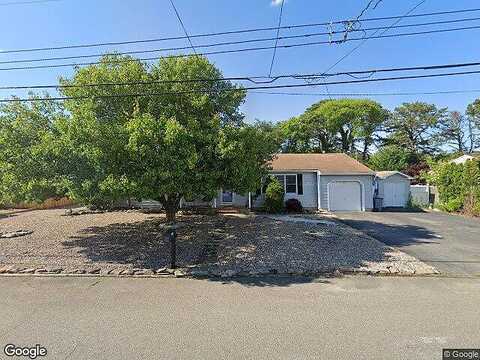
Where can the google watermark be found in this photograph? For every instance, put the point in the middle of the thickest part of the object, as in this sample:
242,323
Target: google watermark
461,354
31,352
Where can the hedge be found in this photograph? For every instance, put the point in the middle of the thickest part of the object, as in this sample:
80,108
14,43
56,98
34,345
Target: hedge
458,186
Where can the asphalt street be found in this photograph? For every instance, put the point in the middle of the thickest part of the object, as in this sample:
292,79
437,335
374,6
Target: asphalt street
264,318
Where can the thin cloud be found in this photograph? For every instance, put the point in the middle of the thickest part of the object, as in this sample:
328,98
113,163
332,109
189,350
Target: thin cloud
276,2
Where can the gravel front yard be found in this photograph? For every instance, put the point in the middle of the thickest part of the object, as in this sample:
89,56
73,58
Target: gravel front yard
130,241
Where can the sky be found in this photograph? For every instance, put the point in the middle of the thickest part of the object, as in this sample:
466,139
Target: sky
28,24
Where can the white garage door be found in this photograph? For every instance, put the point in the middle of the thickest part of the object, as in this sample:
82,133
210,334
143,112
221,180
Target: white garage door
395,194
345,196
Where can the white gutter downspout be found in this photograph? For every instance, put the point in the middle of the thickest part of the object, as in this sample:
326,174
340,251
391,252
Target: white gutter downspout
318,191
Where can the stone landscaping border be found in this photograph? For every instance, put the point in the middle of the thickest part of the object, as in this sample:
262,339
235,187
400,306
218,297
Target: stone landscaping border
196,273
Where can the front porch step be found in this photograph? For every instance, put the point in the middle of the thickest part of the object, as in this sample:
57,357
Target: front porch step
228,210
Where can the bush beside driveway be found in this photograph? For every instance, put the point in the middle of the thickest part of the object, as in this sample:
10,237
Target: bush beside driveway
131,242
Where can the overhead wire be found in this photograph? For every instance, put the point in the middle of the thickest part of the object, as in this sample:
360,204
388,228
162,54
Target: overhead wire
231,32
206,91
183,26
251,78
276,38
373,36
307,35
285,46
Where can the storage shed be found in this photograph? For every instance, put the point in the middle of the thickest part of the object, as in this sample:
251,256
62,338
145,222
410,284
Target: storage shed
394,188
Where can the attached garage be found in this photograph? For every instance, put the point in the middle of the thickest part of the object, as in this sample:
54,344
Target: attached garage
394,188
345,196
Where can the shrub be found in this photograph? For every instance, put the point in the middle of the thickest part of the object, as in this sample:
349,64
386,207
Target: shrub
293,206
274,197
393,158
452,205
458,186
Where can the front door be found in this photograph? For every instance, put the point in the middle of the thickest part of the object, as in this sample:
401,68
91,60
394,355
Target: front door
227,196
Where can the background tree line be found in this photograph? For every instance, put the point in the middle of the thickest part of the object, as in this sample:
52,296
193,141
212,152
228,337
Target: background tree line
187,139
402,139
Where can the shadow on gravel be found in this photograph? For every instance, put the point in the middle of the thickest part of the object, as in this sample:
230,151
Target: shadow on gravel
241,245
395,235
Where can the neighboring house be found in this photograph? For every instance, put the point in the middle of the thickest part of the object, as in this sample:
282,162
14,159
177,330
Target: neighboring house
334,182
394,188
464,158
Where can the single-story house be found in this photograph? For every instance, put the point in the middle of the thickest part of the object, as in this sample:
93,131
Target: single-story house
393,187
334,182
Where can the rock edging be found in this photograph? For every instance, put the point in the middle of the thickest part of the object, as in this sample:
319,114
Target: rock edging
202,273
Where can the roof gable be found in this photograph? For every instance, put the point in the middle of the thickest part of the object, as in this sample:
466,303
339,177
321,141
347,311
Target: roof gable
387,174
327,164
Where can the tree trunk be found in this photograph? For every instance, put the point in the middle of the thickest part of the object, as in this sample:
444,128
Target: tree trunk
471,136
171,203
345,141
366,144
171,214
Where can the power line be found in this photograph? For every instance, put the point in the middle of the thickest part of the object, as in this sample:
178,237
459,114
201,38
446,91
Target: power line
183,27
253,79
370,93
232,32
240,50
255,88
364,10
307,35
27,2
276,39
373,36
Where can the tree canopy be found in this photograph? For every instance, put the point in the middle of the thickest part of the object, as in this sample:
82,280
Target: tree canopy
347,125
27,169
186,138
415,127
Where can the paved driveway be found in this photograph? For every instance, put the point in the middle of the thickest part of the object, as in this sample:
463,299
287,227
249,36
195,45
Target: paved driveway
448,242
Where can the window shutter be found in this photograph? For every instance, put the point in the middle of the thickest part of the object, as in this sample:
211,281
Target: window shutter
300,184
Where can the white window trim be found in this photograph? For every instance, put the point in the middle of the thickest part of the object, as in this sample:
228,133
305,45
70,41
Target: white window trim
285,182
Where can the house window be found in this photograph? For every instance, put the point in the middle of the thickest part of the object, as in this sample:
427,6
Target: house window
291,184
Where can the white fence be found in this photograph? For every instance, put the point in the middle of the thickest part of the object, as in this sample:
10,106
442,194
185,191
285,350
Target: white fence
423,195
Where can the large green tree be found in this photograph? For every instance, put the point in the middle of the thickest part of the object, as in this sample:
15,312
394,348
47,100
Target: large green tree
455,132
180,137
28,172
415,127
306,133
473,125
348,125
